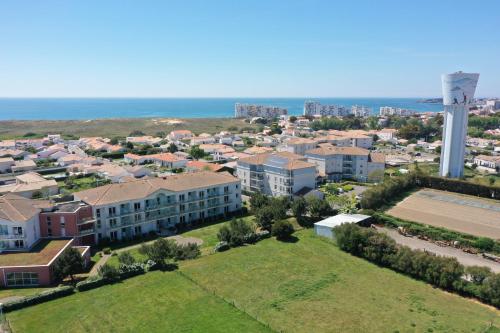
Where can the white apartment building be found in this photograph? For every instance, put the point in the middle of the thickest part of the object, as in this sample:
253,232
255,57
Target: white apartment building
276,174
297,146
19,226
125,210
312,108
347,139
392,111
336,163
254,110
361,111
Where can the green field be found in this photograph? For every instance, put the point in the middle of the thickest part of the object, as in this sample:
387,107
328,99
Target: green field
116,127
306,286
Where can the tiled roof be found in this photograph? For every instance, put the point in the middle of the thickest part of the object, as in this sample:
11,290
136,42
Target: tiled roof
19,209
142,188
377,157
334,150
289,161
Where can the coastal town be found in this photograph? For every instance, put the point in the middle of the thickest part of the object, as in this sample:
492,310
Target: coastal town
251,166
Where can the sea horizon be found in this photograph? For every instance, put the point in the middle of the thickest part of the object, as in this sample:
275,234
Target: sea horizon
92,108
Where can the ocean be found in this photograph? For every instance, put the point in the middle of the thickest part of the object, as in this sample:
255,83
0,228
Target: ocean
95,108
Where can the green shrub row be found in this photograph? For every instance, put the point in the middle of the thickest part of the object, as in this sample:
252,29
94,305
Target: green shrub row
38,298
442,272
439,234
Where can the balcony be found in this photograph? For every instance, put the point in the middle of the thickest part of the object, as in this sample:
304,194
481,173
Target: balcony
86,220
11,236
86,232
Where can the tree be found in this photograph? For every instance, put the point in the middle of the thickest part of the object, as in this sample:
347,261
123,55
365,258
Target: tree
299,208
264,217
114,141
258,200
160,251
125,258
130,145
282,230
70,262
235,232
491,181
137,133
292,119
318,208
490,290
478,273
172,148
196,152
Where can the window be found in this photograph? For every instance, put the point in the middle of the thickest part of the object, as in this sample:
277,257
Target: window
112,223
98,213
237,186
138,230
18,231
22,279
137,206
111,211
201,194
226,198
49,232
182,208
202,204
226,189
63,223
49,219
19,243
137,217
4,230
99,224
181,197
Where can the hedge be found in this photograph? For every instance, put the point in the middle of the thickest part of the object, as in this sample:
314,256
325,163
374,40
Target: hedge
91,283
38,298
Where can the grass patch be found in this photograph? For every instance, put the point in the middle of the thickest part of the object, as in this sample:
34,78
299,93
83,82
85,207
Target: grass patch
155,302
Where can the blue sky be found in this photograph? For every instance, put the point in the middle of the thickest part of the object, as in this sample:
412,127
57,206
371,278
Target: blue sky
245,48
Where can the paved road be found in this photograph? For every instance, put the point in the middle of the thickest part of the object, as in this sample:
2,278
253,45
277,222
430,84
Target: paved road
466,259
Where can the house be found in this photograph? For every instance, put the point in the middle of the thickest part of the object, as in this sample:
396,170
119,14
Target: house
180,135
6,163
23,165
14,153
205,166
325,227
30,183
201,139
387,134
488,163
277,174
335,163
143,140
139,207
298,145
257,150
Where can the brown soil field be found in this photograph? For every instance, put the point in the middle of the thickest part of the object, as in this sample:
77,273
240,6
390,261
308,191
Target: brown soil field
466,214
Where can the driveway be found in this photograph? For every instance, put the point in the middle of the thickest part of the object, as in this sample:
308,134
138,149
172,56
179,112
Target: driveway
466,259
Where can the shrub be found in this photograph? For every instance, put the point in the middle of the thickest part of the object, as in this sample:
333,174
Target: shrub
125,258
235,232
188,251
91,283
38,298
282,230
106,250
108,272
484,243
127,271
221,246
347,188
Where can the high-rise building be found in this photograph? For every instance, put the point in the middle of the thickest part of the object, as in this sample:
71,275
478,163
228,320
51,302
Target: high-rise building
253,110
392,111
312,108
361,111
458,92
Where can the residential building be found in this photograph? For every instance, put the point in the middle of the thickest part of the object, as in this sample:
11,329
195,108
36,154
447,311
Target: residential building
392,111
23,165
347,139
336,163
30,183
312,108
361,111
139,207
167,160
6,163
488,163
276,174
253,110
298,145
143,140
387,134
180,135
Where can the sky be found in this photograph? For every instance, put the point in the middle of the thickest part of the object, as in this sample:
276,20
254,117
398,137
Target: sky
239,48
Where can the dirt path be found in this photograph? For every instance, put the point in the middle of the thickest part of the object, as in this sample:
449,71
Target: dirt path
466,259
100,263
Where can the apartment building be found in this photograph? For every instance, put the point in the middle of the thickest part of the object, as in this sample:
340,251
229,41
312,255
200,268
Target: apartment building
361,111
347,139
392,111
135,208
312,108
254,110
276,174
297,146
335,163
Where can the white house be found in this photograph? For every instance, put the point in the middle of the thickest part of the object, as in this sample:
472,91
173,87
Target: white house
325,227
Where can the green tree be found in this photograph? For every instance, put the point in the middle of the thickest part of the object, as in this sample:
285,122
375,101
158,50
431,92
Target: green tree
235,232
172,148
264,217
478,273
136,133
258,200
318,208
108,272
196,152
160,251
299,208
70,262
282,230
125,258
292,119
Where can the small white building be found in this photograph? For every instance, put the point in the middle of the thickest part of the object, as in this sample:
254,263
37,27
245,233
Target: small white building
325,227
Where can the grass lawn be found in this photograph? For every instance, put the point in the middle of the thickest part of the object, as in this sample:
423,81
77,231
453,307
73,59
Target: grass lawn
306,286
312,286
155,302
